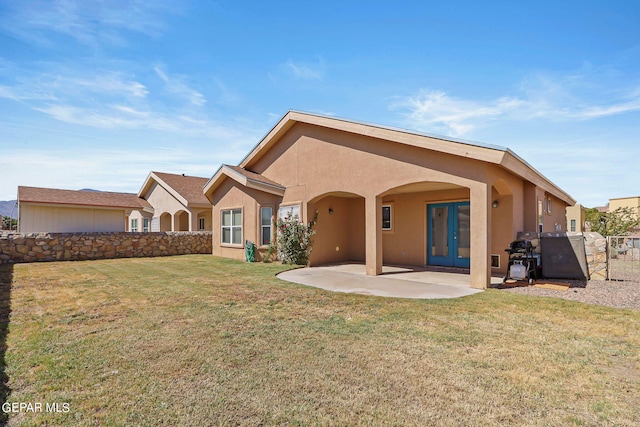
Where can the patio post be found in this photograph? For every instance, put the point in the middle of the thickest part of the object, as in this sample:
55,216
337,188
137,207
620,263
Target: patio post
480,236
373,235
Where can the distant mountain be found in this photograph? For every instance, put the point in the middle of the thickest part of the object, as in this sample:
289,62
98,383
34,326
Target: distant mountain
8,208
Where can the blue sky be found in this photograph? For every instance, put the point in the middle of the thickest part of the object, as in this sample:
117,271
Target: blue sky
98,93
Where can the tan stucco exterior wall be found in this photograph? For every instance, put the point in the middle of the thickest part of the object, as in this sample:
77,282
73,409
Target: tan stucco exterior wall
575,214
625,202
177,216
58,219
231,195
140,216
355,175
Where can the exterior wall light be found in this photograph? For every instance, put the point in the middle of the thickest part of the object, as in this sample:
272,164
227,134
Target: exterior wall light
495,204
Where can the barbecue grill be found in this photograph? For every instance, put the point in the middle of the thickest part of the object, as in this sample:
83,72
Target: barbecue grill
522,263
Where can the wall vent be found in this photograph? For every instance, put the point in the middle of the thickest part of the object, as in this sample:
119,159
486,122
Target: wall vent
495,261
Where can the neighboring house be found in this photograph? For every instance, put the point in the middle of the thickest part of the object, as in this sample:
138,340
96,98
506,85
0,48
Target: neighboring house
383,196
576,218
61,211
178,204
632,203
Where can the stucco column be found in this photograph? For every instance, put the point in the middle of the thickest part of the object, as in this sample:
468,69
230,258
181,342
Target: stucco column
373,235
193,220
480,236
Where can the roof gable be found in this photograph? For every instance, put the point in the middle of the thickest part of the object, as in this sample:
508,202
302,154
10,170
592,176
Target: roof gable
245,178
187,189
483,152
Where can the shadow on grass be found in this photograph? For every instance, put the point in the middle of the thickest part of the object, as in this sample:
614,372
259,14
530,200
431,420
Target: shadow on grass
6,282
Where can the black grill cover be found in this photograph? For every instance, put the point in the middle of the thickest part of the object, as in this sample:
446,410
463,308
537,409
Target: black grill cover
563,256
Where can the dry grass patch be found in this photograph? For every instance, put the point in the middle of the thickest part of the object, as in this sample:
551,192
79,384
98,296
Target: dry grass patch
199,340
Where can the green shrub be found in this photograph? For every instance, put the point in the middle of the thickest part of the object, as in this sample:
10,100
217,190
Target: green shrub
294,239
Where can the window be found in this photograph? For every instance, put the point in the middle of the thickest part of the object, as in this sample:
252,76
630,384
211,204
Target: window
134,225
549,205
155,224
573,225
145,225
201,223
232,226
286,210
386,217
540,217
266,230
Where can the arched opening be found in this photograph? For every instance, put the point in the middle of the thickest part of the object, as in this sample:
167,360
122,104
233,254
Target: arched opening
340,230
165,222
181,221
429,224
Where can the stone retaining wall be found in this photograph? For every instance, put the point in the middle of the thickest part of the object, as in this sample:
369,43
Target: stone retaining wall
596,249
33,247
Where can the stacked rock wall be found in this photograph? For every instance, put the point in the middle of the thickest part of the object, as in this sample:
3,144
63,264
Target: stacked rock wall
33,247
596,250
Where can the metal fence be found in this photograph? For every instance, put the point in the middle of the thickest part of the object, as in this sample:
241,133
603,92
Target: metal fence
623,260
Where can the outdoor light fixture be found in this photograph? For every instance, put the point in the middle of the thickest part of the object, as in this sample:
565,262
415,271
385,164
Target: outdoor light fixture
495,204
330,211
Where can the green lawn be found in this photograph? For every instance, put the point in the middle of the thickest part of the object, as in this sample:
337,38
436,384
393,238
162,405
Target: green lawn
199,340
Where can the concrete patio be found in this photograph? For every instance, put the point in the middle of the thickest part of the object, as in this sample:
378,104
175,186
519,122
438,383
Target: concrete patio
395,281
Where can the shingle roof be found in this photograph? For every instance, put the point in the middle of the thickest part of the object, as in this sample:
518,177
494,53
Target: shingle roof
483,152
254,176
189,187
245,178
81,198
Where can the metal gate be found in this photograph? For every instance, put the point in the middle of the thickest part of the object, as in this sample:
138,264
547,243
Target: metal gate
623,260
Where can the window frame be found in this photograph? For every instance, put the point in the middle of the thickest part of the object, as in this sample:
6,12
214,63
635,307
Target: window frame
284,209
145,225
541,215
202,223
231,227
390,207
134,225
264,226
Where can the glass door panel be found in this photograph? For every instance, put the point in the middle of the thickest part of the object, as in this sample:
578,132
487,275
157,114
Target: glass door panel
439,231
449,238
463,234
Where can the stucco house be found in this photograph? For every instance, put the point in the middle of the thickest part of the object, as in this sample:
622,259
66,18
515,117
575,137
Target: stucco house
383,196
178,204
632,203
576,218
65,211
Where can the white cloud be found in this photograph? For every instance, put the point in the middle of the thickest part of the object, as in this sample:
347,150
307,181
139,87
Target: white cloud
114,117
111,99
437,111
57,84
453,116
305,70
90,23
176,85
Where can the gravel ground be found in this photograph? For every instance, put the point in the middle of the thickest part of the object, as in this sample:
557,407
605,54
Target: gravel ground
618,294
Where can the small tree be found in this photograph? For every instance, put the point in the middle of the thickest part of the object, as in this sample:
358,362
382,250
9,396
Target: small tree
294,239
617,223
